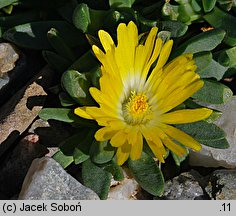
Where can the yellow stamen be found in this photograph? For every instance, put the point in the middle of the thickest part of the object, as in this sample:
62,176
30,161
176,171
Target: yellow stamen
135,110
137,104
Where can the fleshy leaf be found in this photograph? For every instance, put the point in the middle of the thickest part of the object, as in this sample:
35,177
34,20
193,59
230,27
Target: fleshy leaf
121,3
176,28
213,93
205,41
101,152
62,159
60,114
147,174
77,86
79,156
4,3
228,57
202,131
96,178
114,169
219,144
59,44
66,100
220,19
34,35
56,61
207,67
208,5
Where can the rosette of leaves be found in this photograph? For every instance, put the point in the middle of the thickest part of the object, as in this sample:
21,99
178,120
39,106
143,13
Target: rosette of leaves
65,30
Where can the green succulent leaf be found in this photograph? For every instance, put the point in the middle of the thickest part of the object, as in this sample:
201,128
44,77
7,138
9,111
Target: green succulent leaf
96,178
20,18
207,67
42,4
4,3
147,174
67,10
66,100
59,44
208,5
219,144
82,140
114,169
205,41
62,159
171,11
56,61
34,35
176,28
88,20
77,86
227,4
206,133
85,63
202,131
79,156
220,19
101,152
121,3
228,57
60,114
213,93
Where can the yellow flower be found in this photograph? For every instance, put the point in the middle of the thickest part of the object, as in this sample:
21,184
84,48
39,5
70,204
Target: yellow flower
137,93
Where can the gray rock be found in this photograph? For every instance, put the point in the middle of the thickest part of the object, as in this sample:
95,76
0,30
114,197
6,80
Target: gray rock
20,111
222,185
211,157
182,187
16,164
47,180
8,57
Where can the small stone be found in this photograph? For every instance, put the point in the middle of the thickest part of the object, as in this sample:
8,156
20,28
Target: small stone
182,187
126,189
16,164
211,157
8,57
222,185
47,180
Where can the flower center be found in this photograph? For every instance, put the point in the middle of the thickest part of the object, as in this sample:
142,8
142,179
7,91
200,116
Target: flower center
135,109
137,104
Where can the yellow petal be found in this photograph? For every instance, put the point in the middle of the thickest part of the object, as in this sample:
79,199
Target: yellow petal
178,150
137,147
96,112
119,139
122,153
149,44
164,55
133,34
98,53
104,99
81,111
104,134
153,136
186,116
182,137
179,96
157,151
106,40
